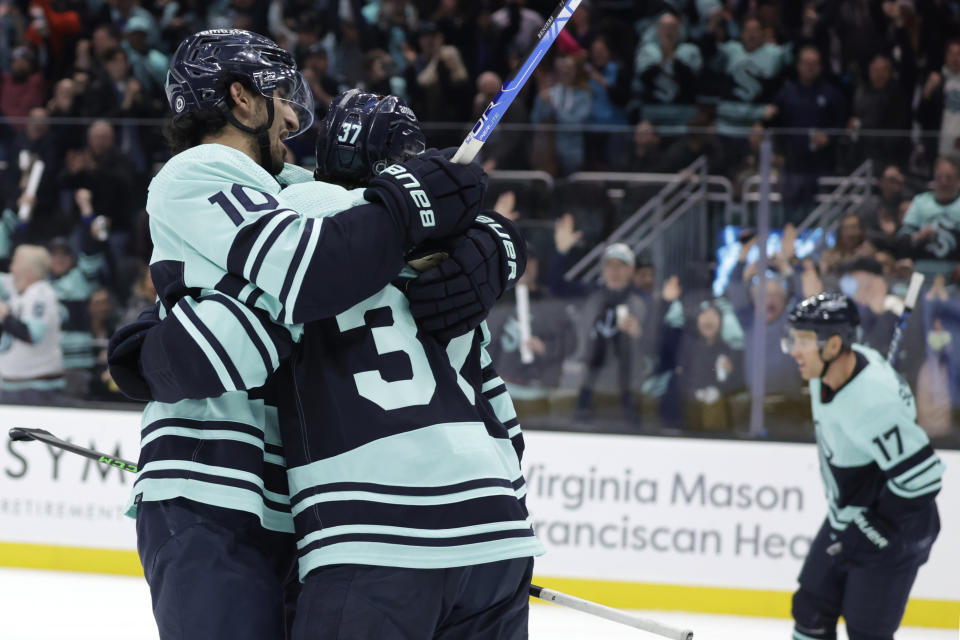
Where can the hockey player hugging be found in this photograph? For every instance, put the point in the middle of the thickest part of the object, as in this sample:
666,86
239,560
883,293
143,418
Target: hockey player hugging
318,411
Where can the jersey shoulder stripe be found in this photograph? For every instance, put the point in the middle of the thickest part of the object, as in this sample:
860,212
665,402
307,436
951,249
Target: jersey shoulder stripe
254,329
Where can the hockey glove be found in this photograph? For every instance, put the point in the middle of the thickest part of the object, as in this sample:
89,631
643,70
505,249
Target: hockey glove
429,196
865,541
454,297
123,356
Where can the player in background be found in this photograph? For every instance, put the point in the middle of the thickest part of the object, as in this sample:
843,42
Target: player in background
880,474
211,499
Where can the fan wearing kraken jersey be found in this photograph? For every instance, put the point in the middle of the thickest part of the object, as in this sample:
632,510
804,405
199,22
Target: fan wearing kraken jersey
880,474
211,500
752,72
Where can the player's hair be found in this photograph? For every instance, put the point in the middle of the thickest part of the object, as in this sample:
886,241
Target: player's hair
189,129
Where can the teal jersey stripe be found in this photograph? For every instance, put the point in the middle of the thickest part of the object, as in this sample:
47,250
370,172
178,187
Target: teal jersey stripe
802,636
910,480
391,498
492,383
301,272
257,326
205,346
489,527
272,458
202,434
261,240
396,555
218,495
235,407
453,452
227,472
513,432
503,407
904,493
242,349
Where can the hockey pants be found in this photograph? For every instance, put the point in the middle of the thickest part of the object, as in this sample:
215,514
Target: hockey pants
215,573
871,599
480,602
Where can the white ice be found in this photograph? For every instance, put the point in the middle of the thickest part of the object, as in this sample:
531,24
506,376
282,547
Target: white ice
49,605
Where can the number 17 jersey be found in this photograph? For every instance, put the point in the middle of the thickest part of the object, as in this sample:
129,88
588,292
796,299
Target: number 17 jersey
873,454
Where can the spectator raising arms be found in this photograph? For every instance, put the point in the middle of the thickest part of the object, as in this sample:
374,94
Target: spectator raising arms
31,363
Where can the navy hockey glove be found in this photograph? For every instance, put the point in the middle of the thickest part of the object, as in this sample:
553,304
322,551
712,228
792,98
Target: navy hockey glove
429,196
123,356
865,541
454,297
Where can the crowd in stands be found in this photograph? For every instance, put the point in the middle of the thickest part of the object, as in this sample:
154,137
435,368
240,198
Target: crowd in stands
628,355
631,85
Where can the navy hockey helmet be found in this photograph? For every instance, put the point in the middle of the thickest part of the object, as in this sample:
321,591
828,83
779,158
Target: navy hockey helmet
363,134
199,66
826,314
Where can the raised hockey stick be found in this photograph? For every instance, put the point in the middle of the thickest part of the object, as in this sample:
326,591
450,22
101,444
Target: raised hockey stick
24,435
916,281
474,141
508,91
609,613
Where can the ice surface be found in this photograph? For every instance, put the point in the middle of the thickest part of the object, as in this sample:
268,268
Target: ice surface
50,605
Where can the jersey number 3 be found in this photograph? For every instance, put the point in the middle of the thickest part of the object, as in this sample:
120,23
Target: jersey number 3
402,336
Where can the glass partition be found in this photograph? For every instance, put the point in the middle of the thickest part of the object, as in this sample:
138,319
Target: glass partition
658,339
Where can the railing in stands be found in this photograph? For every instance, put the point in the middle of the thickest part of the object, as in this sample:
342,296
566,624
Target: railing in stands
847,197
685,191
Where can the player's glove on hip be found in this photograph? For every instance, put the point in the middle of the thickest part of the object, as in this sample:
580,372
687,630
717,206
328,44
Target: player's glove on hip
865,541
429,196
123,356
454,297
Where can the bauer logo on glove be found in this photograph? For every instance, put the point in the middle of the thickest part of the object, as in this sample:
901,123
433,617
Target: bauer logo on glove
419,196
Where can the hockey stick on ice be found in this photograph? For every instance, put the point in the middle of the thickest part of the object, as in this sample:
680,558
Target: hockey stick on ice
498,106
24,435
609,613
916,281
18,434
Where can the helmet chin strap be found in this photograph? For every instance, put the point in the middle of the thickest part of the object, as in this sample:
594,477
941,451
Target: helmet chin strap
827,363
263,137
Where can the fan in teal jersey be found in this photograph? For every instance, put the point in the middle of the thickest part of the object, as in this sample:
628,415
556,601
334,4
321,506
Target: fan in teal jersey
880,474
237,265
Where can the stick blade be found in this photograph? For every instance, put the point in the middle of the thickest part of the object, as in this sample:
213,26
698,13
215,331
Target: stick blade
19,435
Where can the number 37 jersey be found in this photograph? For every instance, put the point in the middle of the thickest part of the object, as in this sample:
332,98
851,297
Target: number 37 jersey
873,455
402,452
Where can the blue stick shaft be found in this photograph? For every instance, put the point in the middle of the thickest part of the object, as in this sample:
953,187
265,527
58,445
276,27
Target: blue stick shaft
508,92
